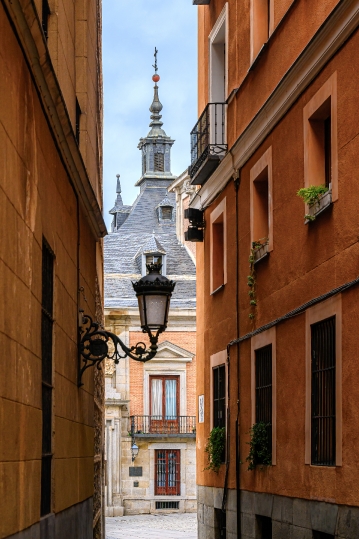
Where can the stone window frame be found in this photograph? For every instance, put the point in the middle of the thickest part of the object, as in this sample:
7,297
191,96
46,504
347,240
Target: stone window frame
216,360
327,91
317,313
170,367
152,447
259,341
220,212
264,162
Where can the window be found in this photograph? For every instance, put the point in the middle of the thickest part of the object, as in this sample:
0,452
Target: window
219,524
320,138
323,416
217,59
164,404
264,527
261,201
218,248
46,352
263,367
45,18
78,116
153,259
263,384
159,162
167,472
261,25
166,212
322,535
323,392
144,163
219,396
167,505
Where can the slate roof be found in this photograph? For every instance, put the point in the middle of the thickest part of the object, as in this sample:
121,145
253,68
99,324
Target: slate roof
140,229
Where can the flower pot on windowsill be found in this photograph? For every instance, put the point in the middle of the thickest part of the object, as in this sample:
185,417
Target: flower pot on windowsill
260,252
320,205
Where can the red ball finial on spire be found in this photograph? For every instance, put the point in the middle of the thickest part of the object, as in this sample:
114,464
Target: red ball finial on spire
155,78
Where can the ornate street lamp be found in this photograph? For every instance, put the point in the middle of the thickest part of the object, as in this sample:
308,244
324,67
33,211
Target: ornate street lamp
134,451
153,292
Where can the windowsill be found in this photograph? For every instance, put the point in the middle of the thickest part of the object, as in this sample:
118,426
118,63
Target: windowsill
324,202
261,253
217,290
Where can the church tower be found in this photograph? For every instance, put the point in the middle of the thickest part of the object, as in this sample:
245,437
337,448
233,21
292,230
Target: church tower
156,147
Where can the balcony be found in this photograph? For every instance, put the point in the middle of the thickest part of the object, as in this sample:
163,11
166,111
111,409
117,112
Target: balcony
208,143
146,426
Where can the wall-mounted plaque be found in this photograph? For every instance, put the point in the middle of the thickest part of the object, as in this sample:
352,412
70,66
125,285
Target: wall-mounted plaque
135,471
200,408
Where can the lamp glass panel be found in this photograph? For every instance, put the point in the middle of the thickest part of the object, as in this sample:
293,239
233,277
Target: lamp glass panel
156,310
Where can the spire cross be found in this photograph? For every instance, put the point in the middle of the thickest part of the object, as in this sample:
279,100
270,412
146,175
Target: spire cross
155,64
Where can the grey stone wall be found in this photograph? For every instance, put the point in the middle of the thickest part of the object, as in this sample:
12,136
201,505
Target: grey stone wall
295,518
292,518
208,500
73,523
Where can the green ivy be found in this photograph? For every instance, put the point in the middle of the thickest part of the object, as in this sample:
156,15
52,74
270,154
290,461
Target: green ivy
251,279
215,448
259,451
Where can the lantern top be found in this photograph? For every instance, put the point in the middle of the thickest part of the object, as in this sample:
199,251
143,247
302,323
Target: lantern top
154,282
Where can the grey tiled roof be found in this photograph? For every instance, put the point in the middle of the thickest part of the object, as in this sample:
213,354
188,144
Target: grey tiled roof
138,231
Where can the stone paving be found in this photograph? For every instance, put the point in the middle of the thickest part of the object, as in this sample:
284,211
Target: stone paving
159,526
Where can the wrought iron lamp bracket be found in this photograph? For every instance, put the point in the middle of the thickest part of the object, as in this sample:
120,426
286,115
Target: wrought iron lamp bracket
94,346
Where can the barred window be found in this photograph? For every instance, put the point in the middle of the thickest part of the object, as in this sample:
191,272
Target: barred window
219,396
46,351
168,472
263,359
323,392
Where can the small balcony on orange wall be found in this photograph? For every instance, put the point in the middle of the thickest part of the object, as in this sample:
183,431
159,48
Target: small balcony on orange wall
208,143
147,426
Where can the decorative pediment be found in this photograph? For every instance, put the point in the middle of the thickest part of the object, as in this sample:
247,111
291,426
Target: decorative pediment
168,351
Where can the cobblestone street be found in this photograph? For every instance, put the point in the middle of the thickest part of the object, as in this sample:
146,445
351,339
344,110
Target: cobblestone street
170,526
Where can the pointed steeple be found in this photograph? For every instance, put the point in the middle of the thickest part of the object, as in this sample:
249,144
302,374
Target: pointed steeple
119,202
119,211
156,147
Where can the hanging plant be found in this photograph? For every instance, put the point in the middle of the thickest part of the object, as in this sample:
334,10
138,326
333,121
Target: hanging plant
251,279
260,452
311,196
215,448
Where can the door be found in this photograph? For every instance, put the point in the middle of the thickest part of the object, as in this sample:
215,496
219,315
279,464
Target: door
164,404
167,472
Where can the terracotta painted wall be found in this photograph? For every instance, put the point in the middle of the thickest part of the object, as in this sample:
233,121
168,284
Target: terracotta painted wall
36,200
306,261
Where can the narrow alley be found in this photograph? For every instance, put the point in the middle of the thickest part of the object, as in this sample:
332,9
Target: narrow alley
169,526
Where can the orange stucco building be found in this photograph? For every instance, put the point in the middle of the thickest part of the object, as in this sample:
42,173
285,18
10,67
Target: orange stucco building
277,279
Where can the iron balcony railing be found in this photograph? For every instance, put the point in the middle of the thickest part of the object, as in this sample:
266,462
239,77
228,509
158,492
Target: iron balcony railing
142,425
208,142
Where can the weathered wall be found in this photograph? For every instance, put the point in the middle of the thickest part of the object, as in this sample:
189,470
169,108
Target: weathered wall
36,201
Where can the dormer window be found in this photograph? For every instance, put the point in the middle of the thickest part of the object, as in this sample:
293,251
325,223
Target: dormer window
166,212
153,259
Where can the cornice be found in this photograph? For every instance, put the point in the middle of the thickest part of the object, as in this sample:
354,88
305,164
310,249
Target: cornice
27,28
337,28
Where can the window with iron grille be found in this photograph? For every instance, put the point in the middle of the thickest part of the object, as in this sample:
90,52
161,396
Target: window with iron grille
159,162
323,392
167,472
219,396
46,351
263,358
167,505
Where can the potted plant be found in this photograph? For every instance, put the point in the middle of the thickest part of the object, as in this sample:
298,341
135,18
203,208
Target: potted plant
317,197
215,448
260,451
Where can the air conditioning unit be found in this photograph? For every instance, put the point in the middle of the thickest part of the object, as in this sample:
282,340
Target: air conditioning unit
193,234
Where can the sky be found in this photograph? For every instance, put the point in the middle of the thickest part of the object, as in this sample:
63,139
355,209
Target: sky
131,31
